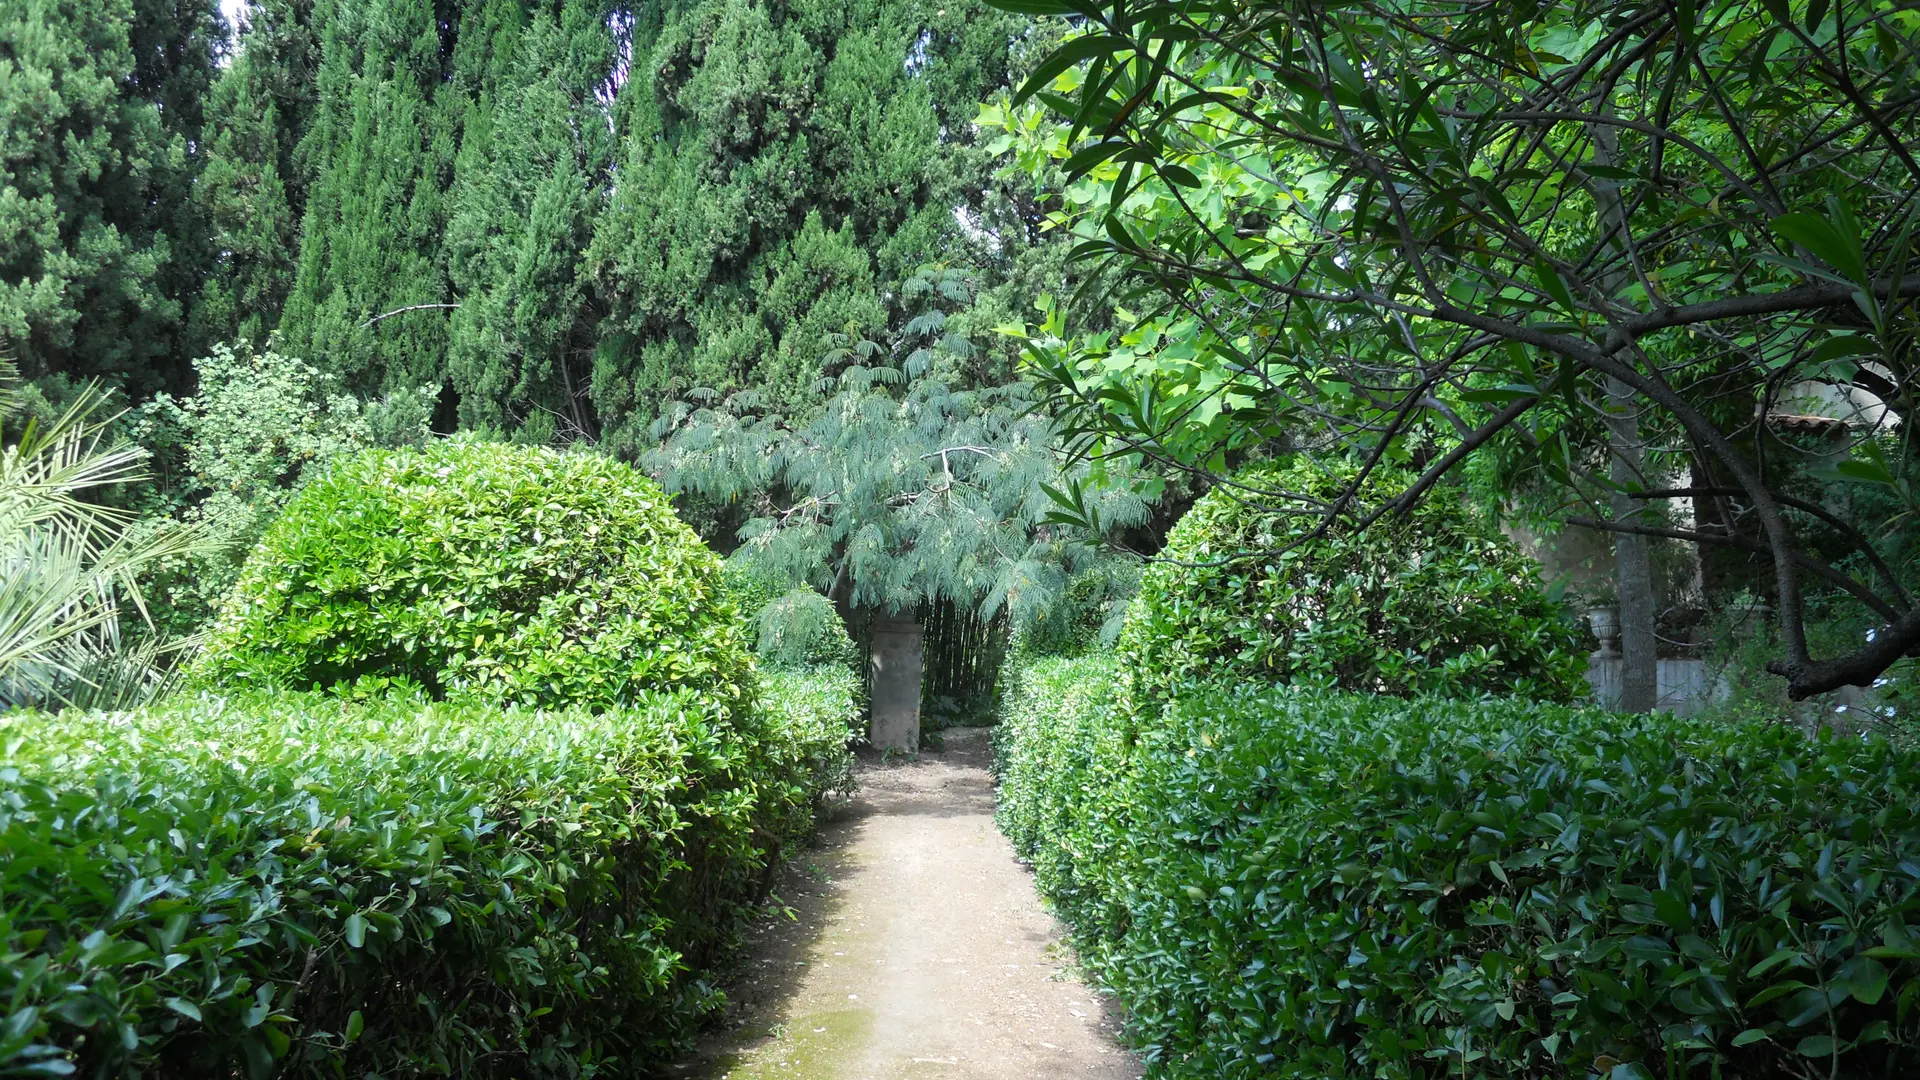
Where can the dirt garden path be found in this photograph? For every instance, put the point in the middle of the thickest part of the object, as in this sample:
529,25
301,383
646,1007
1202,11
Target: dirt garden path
919,950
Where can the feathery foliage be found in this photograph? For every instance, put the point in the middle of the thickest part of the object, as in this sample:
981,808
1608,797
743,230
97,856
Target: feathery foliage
903,488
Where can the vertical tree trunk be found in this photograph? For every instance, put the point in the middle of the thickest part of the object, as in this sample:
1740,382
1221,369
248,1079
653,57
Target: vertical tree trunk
1632,559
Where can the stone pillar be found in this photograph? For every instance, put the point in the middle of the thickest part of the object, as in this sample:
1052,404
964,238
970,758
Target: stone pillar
896,685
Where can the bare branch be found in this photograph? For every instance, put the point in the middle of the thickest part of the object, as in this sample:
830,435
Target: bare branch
404,310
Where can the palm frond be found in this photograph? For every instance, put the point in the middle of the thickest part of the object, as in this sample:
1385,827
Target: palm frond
70,565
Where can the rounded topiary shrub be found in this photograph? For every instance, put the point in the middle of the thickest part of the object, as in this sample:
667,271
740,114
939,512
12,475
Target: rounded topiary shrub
1433,602
523,574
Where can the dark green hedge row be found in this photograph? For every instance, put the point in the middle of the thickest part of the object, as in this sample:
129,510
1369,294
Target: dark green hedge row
1285,884
306,886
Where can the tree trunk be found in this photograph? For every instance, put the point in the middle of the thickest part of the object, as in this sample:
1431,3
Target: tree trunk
1632,555
1632,558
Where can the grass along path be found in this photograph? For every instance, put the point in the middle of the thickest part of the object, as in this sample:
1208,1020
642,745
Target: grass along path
920,950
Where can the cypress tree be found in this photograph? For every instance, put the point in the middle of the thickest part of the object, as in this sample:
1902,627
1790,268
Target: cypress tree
379,152
585,207
782,166
528,183
286,56
99,250
243,200
252,190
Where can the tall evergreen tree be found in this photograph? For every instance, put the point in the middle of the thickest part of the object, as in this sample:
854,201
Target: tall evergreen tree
242,197
781,167
251,190
286,55
100,110
528,183
380,154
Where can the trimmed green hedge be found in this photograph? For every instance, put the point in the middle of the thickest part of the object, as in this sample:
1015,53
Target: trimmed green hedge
1433,602
304,886
825,704
527,575
1279,883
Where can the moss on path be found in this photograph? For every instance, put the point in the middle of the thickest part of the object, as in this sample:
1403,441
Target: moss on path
919,950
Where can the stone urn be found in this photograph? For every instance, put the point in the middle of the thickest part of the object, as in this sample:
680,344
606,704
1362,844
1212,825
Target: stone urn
1605,621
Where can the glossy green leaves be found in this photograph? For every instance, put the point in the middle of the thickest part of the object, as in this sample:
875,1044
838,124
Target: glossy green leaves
1433,602
1279,883
293,886
515,573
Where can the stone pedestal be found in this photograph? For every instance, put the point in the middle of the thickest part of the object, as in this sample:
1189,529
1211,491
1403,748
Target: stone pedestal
896,685
1685,686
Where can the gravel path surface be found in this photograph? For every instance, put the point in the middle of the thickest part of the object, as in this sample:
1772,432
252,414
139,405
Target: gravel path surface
919,950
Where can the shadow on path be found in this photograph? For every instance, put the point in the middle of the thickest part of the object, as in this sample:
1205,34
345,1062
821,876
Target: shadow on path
918,949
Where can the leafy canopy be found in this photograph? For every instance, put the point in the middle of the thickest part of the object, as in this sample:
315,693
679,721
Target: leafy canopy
1417,230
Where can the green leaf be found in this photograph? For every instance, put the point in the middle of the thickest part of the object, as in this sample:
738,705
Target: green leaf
1551,282
356,930
1815,1046
1842,346
1777,990
1864,472
1773,960
1088,157
259,1057
184,1008
1866,979
356,1023
1749,1037
1178,174
1062,58
1825,242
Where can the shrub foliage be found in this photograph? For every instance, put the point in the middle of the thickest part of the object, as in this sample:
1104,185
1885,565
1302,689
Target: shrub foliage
801,628
1287,883
529,575
300,885
1433,602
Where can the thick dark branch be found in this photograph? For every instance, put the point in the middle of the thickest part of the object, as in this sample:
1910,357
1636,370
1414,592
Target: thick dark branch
1468,444
1798,298
1821,570
1806,678
1853,535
